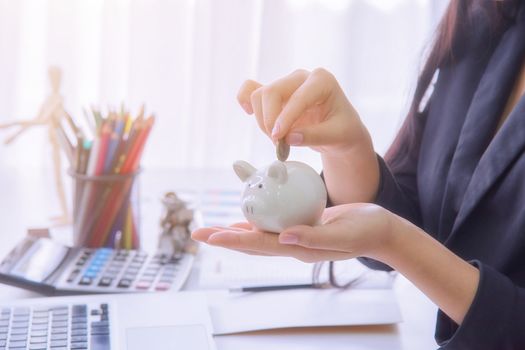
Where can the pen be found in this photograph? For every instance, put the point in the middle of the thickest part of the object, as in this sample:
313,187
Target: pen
274,288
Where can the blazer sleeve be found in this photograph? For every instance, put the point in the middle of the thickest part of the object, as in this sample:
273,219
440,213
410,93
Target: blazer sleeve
495,319
399,195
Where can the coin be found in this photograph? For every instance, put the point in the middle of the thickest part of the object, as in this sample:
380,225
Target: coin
283,150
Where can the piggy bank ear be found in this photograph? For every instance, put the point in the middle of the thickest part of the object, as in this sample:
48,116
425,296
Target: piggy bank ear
243,169
278,171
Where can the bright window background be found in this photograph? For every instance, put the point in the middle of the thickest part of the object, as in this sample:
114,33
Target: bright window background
187,58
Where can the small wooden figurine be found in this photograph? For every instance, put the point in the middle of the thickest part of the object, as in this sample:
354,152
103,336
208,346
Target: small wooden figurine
50,114
175,224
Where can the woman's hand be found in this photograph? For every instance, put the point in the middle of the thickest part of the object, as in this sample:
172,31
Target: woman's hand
347,231
310,109
352,230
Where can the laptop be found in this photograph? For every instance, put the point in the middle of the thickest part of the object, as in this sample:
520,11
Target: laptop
156,321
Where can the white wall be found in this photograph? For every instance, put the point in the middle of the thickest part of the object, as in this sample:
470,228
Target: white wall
186,59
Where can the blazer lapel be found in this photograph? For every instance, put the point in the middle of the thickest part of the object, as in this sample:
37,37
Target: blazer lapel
479,161
507,145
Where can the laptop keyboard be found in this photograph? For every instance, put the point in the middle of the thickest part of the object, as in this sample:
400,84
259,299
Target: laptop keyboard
56,327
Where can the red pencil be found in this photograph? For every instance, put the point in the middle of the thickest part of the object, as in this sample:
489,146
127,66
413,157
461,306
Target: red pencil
116,198
103,149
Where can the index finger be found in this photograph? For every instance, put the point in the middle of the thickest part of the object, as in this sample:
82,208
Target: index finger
315,90
244,94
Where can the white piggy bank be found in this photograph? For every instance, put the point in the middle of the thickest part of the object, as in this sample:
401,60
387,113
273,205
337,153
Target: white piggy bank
281,195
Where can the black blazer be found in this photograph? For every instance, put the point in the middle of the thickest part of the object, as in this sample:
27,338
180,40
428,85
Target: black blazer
465,186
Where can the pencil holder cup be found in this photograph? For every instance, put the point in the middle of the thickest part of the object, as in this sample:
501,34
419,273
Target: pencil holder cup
106,211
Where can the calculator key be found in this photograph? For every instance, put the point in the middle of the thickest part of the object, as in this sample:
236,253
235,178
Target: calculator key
78,317
37,334
124,283
168,274
59,336
79,346
60,324
110,275
86,281
19,331
60,318
38,340
105,282
22,311
99,331
91,274
73,275
60,311
162,286
147,279
39,327
130,276
19,337
58,330
116,265
79,332
113,270
132,270
17,344
81,262
79,310
94,268
97,264
58,343
79,339
79,325
143,285
23,324
149,274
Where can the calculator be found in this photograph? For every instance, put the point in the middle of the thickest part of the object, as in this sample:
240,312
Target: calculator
48,267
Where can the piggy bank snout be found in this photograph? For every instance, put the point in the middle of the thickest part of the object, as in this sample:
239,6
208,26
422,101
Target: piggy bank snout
252,205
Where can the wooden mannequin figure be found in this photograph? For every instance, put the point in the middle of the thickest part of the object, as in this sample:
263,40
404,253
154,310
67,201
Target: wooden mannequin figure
50,114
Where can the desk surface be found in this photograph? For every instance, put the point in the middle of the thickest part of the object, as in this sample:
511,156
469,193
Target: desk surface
28,199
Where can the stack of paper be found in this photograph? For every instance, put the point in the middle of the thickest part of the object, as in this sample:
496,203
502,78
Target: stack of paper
235,313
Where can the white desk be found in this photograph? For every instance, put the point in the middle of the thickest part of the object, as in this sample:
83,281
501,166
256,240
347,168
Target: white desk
27,199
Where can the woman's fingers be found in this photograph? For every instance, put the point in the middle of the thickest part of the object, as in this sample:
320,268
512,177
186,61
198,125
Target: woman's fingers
277,93
244,225
316,89
266,102
268,244
256,102
334,236
202,234
244,95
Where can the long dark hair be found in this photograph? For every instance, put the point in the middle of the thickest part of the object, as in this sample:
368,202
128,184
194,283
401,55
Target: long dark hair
464,21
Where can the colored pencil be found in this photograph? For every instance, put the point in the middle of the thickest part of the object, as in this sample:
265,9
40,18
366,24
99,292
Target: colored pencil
104,208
